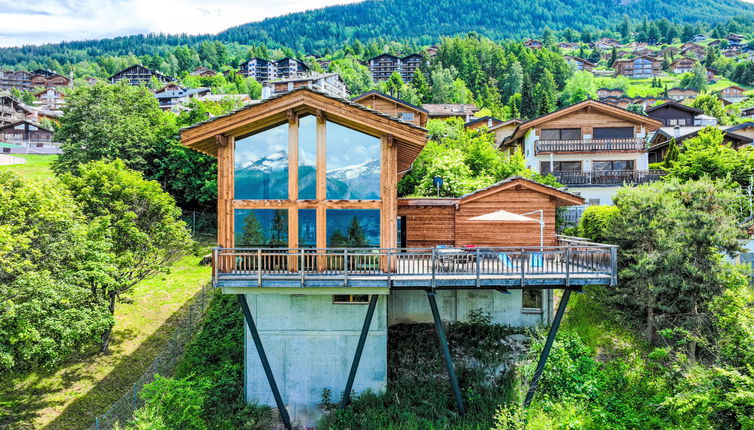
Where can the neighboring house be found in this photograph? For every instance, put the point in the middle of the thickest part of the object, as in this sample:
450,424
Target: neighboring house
641,67
504,130
624,101
748,112
383,66
25,133
658,146
568,45
258,68
592,146
42,78
580,64
139,75
731,53
287,68
698,38
392,106
450,110
734,38
91,80
19,79
745,129
331,83
679,94
733,94
689,48
711,73
485,121
12,110
683,65
607,43
674,113
295,173
169,99
173,86
203,72
50,98
610,92
217,98
533,44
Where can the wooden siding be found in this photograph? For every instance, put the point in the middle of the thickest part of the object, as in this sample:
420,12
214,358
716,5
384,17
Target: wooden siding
587,120
394,109
428,226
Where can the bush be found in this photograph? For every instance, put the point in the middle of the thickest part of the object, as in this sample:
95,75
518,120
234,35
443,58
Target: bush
595,222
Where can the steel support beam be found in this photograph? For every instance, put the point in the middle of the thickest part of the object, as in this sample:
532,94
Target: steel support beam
548,345
265,363
359,349
446,352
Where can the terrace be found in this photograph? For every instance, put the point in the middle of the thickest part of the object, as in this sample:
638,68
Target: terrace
574,262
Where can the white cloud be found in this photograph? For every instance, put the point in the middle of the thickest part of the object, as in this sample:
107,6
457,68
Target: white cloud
43,21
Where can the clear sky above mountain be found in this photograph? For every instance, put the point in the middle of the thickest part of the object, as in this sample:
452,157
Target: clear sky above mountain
43,21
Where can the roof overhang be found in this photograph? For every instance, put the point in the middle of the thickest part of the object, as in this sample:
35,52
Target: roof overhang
410,139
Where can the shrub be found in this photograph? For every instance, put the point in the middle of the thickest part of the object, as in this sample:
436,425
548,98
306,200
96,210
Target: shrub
595,222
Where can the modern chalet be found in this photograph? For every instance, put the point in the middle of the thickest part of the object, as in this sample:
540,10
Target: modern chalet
139,75
323,255
592,147
269,70
382,66
644,66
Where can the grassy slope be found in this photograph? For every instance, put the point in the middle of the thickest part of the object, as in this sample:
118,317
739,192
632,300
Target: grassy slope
71,396
37,166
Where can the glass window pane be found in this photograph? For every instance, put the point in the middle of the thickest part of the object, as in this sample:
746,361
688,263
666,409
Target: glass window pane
602,165
261,165
353,228
307,158
570,166
353,164
550,134
531,299
307,228
570,133
261,227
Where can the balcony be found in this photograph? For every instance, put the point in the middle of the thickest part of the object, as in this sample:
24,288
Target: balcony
574,262
590,145
608,177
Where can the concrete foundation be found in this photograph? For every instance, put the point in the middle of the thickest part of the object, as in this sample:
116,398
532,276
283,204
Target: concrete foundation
310,343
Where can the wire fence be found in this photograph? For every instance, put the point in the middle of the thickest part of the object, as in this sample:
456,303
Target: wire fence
203,226
122,411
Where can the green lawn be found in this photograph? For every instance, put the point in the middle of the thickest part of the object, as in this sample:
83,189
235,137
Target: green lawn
36,166
72,395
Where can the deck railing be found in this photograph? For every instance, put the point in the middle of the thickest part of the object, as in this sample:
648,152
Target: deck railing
574,257
608,177
590,145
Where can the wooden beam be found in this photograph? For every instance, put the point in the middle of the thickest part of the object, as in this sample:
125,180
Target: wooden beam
307,204
321,156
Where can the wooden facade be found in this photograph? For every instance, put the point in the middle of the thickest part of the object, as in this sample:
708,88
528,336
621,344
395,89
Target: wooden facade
674,113
429,222
393,106
139,75
400,143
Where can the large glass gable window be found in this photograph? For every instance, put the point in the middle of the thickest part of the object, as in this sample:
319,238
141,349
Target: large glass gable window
353,228
353,164
261,165
307,158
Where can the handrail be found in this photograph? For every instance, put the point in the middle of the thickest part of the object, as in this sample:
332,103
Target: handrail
581,145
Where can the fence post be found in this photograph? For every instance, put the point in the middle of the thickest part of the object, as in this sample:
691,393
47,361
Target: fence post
96,423
190,316
614,266
133,402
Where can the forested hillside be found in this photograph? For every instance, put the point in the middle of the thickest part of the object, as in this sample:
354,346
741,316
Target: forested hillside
421,21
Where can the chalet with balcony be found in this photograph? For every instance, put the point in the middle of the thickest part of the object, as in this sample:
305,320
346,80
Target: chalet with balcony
591,147
451,110
625,101
330,83
50,98
258,68
659,145
733,94
26,133
19,79
533,44
644,66
13,111
383,66
139,75
392,106
683,65
287,68
171,99
580,64
692,48
203,72
679,94
609,92
42,78
310,235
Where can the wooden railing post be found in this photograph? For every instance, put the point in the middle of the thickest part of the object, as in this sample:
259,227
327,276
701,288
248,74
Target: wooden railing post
523,267
478,268
345,267
568,265
301,265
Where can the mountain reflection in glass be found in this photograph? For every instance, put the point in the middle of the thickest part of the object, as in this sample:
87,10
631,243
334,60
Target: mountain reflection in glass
261,227
307,158
353,164
261,165
353,228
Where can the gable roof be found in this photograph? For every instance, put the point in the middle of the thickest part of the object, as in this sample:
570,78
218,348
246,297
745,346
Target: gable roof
23,121
588,104
579,59
154,72
409,138
450,109
676,105
376,93
563,198
668,133
484,118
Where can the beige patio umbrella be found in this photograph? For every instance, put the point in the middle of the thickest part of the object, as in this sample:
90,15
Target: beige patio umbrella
505,216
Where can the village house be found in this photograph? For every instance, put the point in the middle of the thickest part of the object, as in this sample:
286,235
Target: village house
450,110
733,94
42,78
683,65
383,66
607,43
286,68
698,38
659,145
482,122
323,256
393,106
678,94
203,72
533,44
504,130
19,79
25,133
12,110
579,63
689,48
330,83
674,113
734,38
258,68
592,147
609,92
731,53
50,98
711,74
641,67
241,99
568,45
139,75
624,101
169,99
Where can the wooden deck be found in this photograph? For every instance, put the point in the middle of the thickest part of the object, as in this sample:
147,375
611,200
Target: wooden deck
573,265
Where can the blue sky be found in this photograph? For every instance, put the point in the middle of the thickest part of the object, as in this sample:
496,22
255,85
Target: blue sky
44,21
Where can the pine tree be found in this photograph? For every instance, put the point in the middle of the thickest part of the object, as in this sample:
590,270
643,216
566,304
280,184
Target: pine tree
253,234
672,154
279,228
420,84
356,237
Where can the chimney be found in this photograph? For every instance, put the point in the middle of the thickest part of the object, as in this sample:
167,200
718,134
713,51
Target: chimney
489,122
266,92
677,131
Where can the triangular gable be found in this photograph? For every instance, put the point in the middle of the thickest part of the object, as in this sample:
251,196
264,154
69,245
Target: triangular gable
275,110
562,198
